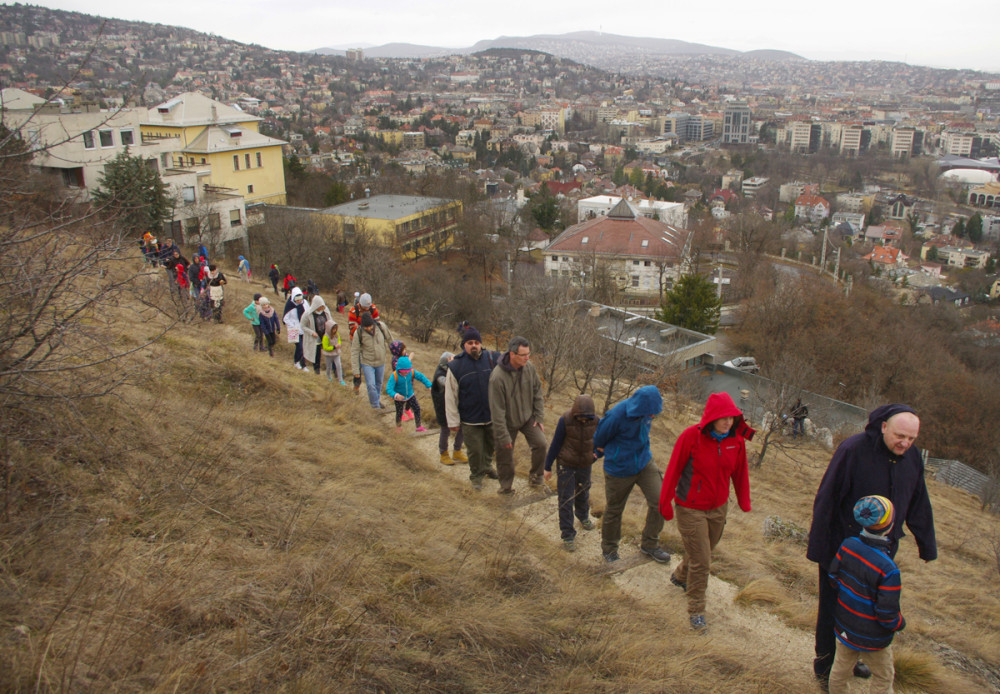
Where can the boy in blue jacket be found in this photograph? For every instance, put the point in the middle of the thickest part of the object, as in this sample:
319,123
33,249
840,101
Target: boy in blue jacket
867,614
622,438
400,387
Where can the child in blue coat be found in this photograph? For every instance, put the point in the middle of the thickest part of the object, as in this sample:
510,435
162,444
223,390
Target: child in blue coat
400,387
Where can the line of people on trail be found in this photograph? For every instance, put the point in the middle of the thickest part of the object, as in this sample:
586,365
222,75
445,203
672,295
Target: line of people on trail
489,397
201,281
483,399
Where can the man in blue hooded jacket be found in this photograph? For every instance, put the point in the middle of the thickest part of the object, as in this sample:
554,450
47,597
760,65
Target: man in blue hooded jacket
622,438
881,461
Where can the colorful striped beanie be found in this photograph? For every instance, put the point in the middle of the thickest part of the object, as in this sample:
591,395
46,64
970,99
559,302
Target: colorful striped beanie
874,513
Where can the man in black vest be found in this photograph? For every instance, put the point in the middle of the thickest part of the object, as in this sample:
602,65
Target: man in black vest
467,403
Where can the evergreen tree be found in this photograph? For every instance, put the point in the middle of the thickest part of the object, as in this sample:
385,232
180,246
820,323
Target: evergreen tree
974,228
132,191
692,304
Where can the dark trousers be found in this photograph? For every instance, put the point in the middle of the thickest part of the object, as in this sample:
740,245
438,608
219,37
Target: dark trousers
318,357
409,404
271,339
258,338
826,640
443,439
479,444
574,497
297,357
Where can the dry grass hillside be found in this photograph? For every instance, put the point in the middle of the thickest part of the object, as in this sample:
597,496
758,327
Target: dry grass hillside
228,523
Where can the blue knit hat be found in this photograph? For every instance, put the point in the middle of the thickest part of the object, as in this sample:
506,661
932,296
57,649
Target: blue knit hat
874,513
403,364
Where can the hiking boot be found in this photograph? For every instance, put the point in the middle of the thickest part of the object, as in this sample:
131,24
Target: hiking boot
477,484
509,491
569,545
459,456
446,459
534,481
698,622
657,554
587,524
680,584
611,556
861,670
492,474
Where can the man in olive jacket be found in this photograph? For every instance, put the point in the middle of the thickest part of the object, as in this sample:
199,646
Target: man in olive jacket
517,406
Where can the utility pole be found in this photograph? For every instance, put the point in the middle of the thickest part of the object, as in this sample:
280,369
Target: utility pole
822,255
718,289
836,269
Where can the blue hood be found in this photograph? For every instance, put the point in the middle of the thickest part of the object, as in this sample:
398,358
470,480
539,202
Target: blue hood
644,402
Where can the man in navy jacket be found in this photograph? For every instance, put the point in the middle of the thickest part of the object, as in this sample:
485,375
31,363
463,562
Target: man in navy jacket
881,461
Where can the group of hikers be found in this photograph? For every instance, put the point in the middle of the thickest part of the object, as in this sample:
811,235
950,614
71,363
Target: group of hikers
483,399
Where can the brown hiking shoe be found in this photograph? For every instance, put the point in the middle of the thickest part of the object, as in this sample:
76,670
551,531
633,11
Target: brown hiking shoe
446,459
458,456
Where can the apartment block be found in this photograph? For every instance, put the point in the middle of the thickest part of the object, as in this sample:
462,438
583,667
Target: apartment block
736,124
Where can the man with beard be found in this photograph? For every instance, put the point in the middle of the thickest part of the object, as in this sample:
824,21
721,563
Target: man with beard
467,404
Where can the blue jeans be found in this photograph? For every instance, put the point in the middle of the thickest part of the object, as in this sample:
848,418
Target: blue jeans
373,382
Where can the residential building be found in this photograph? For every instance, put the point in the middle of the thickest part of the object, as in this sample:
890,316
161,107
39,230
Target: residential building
906,142
672,213
200,131
850,139
752,185
855,220
957,143
789,192
644,256
736,124
854,202
887,257
812,207
414,224
963,257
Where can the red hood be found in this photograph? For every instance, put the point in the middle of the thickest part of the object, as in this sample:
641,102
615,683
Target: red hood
721,405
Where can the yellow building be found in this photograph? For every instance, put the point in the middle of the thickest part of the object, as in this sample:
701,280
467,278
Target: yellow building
414,224
391,138
226,139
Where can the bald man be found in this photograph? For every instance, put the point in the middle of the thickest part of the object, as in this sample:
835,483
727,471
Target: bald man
880,461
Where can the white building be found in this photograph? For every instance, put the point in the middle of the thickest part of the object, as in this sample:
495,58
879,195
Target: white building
672,213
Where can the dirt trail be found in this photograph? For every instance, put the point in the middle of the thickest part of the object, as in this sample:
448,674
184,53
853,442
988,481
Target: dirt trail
763,638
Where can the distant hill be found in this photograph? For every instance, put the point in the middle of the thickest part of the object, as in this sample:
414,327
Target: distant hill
591,47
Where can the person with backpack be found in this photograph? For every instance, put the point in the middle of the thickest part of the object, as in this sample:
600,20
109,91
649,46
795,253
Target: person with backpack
364,305
313,328
400,387
288,285
292,317
437,397
274,274
369,346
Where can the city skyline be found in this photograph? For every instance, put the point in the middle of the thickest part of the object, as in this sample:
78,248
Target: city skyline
850,32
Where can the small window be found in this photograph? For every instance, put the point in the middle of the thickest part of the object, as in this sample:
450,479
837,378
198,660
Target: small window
187,193
585,239
236,162
107,138
260,162
555,259
128,137
635,262
647,263
204,161
234,218
645,243
250,188
88,139
192,225
635,281
214,221
246,158
565,259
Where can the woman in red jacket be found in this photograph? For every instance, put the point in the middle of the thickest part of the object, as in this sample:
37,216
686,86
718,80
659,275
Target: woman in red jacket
705,458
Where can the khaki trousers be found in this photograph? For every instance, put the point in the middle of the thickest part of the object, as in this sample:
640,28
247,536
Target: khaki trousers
880,662
505,456
616,491
700,531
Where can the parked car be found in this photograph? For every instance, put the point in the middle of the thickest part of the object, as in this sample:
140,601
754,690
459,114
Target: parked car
748,364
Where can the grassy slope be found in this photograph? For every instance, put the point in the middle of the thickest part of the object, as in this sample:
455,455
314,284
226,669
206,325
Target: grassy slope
231,524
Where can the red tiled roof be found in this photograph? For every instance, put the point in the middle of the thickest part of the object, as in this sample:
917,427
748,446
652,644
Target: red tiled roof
811,200
623,236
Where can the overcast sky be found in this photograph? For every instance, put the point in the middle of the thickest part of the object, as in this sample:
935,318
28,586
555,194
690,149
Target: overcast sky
920,32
